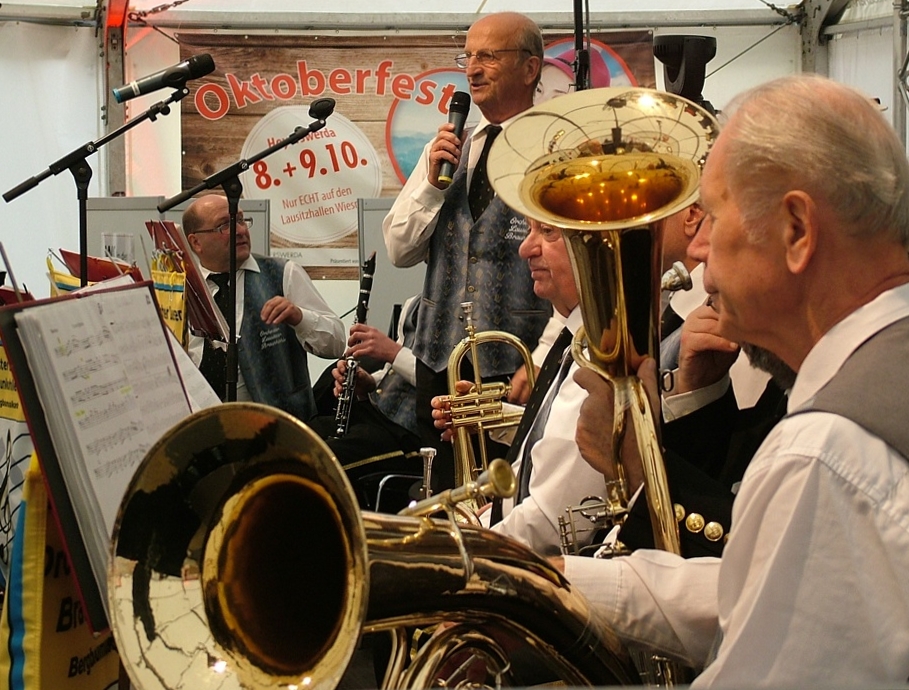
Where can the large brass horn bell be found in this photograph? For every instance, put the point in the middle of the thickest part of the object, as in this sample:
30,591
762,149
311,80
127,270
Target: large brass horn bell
240,561
236,560
605,165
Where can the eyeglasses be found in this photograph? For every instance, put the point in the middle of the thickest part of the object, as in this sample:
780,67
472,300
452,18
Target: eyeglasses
225,226
485,57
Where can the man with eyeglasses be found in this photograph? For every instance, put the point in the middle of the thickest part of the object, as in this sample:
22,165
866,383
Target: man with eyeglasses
280,315
468,238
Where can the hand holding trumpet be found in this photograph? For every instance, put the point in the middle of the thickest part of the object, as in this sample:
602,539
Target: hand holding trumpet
441,409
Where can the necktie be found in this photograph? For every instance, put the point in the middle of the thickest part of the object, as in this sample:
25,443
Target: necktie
480,193
669,321
544,380
536,430
670,338
214,359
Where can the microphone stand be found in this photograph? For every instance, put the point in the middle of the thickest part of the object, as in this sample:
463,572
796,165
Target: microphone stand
229,180
75,162
581,53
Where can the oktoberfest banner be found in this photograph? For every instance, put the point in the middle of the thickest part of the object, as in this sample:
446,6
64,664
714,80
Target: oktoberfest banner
391,95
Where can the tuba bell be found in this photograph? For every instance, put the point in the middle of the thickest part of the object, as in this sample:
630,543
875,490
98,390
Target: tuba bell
605,165
240,560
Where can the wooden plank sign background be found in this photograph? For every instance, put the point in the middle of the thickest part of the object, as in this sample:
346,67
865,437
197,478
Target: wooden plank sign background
390,96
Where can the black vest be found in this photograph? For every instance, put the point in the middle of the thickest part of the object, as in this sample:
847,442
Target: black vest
394,395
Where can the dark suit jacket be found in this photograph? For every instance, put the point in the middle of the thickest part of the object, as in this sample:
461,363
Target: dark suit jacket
706,454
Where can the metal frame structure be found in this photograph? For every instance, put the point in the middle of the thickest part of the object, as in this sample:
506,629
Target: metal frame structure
817,21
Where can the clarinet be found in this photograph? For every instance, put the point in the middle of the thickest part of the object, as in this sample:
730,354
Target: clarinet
348,388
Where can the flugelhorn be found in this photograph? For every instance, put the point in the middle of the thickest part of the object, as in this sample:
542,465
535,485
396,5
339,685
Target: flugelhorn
240,560
605,165
479,410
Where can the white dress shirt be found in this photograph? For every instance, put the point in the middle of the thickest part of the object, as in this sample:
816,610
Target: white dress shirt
405,363
411,220
559,477
813,586
320,331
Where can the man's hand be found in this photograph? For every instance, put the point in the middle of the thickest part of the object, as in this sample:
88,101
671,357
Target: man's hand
362,388
441,409
281,310
366,341
445,147
704,355
594,433
520,388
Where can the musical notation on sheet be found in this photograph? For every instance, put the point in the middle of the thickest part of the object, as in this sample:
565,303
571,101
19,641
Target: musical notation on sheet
111,374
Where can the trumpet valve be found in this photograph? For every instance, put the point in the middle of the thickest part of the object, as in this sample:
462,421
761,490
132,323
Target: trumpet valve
482,406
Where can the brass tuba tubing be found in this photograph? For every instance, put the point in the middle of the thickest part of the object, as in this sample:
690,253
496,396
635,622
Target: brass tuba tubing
240,560
617,276
605,165
510,588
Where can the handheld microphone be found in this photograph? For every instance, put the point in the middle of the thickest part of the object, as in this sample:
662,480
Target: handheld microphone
457,115
175,77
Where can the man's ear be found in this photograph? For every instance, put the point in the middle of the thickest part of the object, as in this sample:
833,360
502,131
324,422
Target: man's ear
693,220
800,232
193,242
533,65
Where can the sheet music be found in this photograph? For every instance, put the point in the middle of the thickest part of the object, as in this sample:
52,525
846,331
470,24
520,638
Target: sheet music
110,388
198,389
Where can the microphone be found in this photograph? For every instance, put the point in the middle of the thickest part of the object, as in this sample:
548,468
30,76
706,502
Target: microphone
175,77
457,115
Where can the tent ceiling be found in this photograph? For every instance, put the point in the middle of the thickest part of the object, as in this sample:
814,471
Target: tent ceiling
393,14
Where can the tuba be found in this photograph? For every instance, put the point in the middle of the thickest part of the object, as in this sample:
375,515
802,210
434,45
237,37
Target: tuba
240,560
480,409
605,165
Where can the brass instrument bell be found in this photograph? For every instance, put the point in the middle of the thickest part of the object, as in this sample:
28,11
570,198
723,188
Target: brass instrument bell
605,165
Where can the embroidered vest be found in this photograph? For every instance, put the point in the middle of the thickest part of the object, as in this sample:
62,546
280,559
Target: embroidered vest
272,360
477,262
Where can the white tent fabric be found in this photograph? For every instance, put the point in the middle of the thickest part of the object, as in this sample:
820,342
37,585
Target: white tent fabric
50,78
864,59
